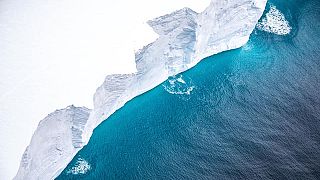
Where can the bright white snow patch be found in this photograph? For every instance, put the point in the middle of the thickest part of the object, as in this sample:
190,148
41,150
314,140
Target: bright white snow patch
275,22
81,167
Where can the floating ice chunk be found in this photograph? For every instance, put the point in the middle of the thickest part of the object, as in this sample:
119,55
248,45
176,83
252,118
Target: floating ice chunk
274,22
178,85
81,167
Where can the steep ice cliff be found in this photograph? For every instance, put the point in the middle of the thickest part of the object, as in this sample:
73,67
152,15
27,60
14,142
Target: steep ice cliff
185,38
54,143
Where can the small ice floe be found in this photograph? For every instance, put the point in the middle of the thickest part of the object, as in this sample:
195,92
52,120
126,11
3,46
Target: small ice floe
179,85
80,167
274,22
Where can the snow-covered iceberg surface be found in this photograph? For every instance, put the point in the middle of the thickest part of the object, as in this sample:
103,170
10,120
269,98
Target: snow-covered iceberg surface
185,38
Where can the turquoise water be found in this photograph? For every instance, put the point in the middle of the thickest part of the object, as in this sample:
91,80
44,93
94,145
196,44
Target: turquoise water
250,113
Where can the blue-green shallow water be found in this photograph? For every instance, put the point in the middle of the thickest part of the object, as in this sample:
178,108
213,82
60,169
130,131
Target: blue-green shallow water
254,114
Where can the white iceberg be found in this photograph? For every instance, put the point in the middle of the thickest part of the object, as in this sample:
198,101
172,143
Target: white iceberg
185,38
55,142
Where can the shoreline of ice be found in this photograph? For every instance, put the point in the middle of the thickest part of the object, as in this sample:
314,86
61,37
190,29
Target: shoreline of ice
185,38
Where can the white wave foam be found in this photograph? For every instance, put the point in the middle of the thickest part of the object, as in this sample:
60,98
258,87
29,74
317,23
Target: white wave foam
81,167
178,85
274,22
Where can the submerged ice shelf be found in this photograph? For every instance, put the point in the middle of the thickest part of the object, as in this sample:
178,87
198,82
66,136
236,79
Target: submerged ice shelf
185,38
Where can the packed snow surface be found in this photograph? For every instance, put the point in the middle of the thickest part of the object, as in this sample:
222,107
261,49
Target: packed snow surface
185,38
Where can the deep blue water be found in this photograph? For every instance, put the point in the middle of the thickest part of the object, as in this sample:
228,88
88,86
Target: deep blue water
254,113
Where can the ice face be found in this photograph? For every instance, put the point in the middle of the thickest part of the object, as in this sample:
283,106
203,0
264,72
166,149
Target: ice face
54,143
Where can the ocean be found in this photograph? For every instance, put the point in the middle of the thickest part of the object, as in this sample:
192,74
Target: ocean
249,113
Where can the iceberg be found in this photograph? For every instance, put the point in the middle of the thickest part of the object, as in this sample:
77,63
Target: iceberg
55,142
185,38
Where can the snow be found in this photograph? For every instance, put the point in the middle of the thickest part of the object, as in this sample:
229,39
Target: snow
185,38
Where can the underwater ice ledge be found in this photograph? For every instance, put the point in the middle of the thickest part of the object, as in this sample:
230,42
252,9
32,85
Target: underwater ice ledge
185,38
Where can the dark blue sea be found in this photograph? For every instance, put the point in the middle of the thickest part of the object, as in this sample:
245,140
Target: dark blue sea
249,113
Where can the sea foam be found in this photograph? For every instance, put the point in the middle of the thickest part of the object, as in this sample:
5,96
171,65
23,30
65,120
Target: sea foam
179,85
81,167
275,22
